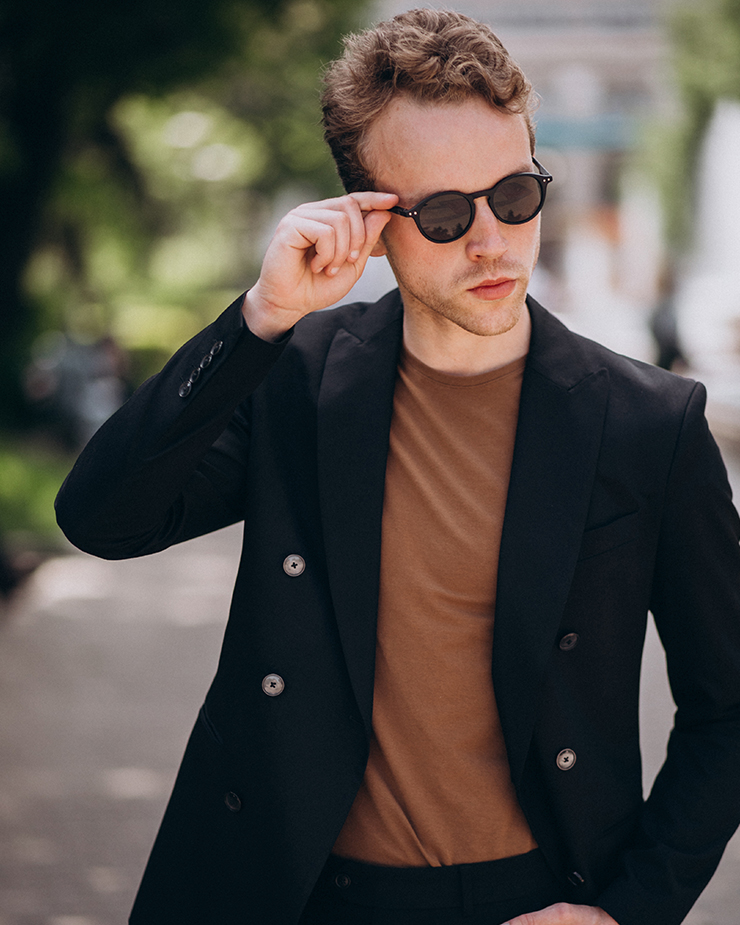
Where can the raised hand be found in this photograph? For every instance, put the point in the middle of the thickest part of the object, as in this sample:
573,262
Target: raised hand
316,255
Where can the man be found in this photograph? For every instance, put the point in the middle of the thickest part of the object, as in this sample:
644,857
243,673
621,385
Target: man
457,515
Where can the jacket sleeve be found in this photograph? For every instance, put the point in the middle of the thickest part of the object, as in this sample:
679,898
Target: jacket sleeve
694,806
169,465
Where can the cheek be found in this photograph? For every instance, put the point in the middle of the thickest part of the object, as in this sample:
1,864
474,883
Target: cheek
402,243
531,242
396,234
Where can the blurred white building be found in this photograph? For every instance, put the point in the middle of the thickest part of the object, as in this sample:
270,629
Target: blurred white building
708,299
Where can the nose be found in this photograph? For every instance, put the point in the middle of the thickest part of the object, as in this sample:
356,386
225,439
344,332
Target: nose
485,237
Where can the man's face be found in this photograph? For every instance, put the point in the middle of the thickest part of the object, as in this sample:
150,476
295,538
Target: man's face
479,282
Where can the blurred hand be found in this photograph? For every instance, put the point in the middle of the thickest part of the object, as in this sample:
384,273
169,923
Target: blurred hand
317,254
565,914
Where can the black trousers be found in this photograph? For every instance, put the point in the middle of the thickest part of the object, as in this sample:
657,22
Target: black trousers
492,892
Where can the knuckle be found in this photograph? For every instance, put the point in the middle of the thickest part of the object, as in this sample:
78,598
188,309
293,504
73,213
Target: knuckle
299,210
352,205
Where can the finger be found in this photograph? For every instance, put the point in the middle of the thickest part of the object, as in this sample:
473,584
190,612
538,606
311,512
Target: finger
374,223
310,237
330,246
349,234
366,200
552,915
355,207
345,214
333,251
358,231
369,201
322,235
564,914
355,235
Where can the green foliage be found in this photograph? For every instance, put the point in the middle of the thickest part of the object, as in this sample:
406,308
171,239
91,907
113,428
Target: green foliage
31,479
141,145
707,39
705,36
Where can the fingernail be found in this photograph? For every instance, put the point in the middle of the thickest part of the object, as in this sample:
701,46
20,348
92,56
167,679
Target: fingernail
333,271
354,255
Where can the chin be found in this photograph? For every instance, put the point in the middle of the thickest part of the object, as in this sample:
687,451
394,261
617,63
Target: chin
489,322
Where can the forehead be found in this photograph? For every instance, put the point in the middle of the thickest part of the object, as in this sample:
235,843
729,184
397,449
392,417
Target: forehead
415,149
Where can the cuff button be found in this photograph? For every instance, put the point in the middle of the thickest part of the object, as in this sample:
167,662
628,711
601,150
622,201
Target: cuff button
568,642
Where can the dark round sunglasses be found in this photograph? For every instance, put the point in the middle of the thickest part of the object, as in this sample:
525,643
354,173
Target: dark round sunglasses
444,217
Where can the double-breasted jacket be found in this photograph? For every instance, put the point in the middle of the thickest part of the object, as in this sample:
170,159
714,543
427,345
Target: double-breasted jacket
618,505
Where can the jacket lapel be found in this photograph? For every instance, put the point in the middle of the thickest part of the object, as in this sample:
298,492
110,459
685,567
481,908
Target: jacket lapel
561,416
354,417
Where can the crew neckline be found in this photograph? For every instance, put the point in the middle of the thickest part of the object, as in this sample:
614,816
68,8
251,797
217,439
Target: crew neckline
409,361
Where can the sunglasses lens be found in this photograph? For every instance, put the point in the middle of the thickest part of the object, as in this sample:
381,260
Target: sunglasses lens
516,199
445,217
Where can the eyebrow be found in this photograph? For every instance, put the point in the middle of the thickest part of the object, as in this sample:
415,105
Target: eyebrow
530,168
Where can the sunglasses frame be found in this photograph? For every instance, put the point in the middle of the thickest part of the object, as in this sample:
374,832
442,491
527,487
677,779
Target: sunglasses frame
543,178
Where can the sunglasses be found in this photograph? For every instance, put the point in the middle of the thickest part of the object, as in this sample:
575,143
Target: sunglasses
444,217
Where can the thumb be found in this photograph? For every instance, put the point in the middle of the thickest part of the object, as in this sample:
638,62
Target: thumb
375,222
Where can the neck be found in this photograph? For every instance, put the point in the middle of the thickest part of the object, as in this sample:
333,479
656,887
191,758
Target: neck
453,350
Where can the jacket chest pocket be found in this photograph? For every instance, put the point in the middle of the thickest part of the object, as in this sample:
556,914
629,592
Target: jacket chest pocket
609,536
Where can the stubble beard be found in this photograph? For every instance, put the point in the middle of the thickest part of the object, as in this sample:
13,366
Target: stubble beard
476,316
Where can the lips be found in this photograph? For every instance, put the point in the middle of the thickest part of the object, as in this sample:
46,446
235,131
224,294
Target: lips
492,289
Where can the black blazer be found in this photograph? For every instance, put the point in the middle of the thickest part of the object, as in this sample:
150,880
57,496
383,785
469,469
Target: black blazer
618,504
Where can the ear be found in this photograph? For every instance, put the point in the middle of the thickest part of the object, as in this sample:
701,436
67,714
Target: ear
379,250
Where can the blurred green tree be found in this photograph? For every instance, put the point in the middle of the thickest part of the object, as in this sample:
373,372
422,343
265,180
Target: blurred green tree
130,123
705,38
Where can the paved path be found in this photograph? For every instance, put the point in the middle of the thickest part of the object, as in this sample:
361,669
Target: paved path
102,669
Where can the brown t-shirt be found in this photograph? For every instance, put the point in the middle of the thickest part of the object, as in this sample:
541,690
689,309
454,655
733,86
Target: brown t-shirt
437,789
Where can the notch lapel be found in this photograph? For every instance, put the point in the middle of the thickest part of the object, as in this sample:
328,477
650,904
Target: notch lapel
354,417
561,417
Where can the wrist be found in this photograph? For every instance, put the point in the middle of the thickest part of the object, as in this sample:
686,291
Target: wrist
262,320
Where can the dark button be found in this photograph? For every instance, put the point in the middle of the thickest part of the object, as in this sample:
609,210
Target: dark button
195,375
569,641
206,361
566,759
233,802
342,881
575,878
216,348
185,389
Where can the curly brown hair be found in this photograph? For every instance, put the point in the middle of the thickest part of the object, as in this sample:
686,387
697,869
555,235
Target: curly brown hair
428,55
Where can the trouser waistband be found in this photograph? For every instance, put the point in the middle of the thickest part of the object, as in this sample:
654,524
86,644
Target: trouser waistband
437,887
